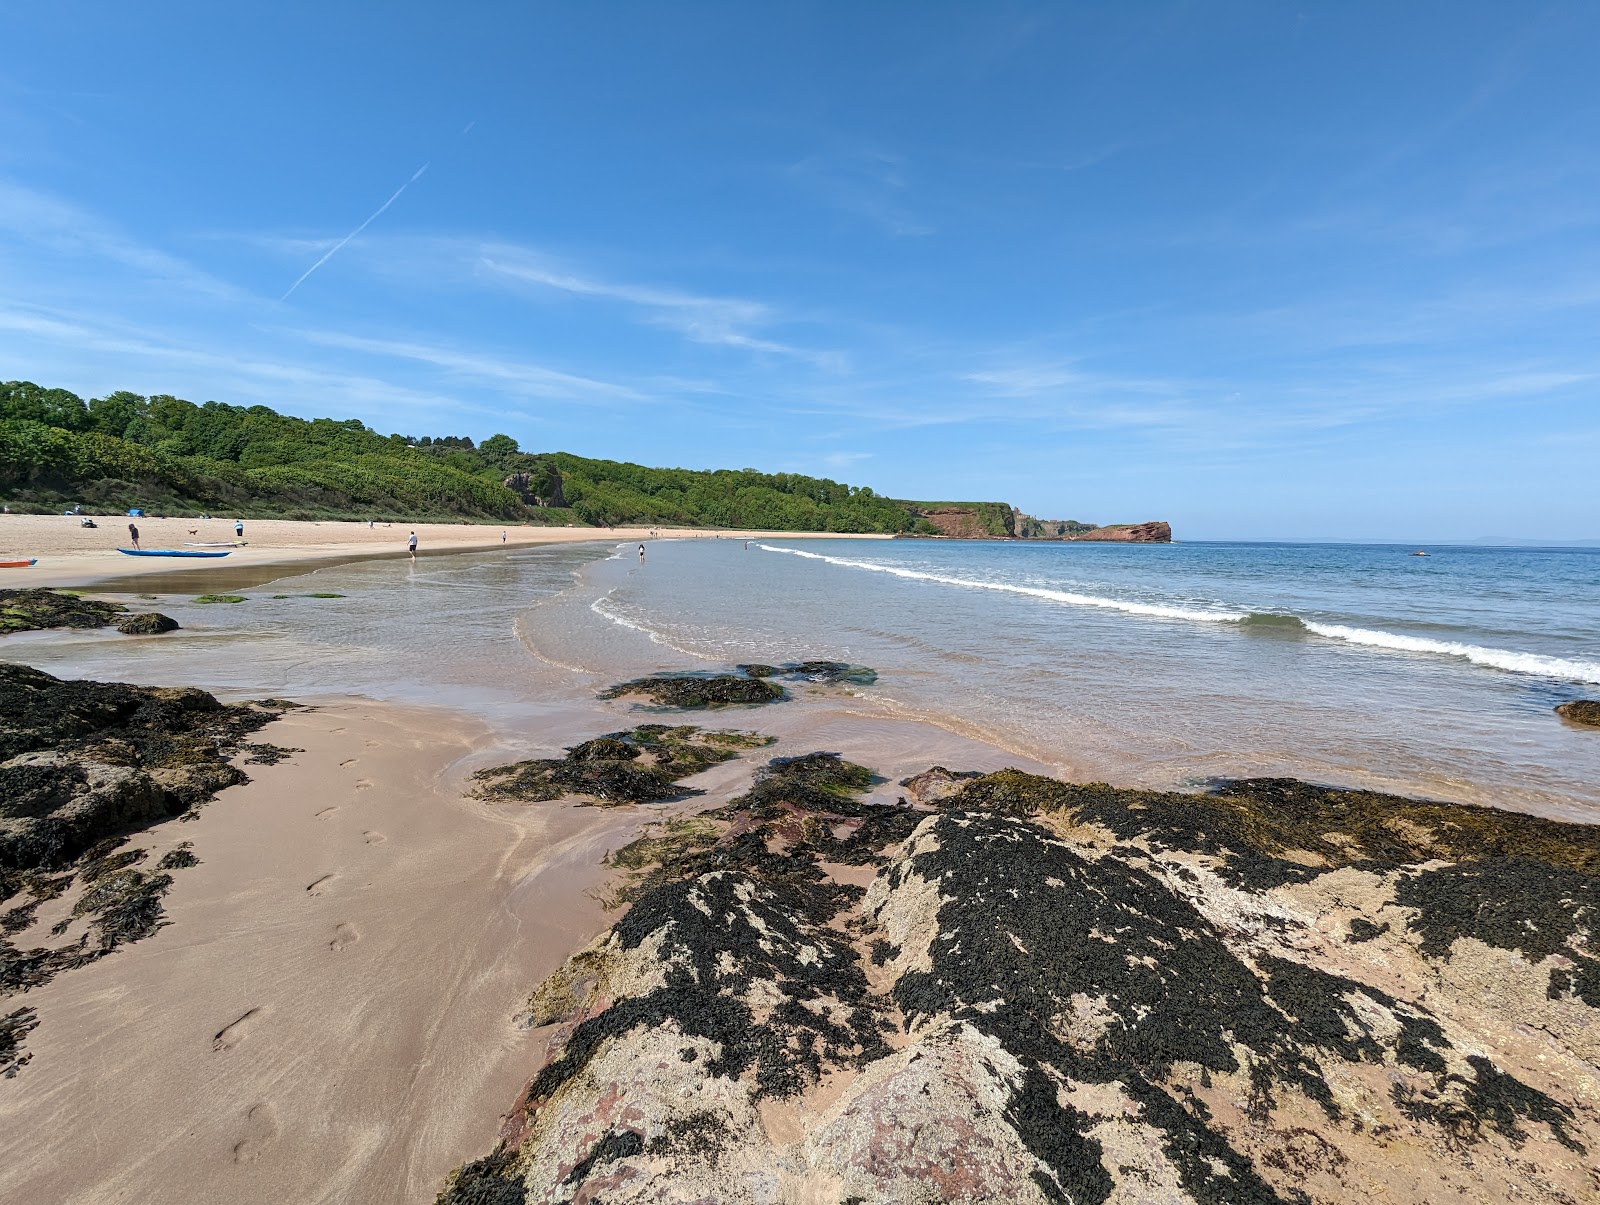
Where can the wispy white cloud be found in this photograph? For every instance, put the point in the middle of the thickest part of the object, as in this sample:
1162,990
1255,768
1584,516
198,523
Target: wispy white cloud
519,375
56,225
868,183
719,321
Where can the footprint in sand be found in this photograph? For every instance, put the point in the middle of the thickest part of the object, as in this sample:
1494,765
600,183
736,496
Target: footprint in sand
260,1132
344,934
374,838
320,885
349,761
326,812
230,1036
363,784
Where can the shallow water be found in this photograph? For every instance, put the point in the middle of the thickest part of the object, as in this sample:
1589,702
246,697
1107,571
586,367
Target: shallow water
1150,665
1166,665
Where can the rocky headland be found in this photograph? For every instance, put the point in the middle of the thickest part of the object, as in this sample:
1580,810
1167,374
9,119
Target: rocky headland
1013,988
998,521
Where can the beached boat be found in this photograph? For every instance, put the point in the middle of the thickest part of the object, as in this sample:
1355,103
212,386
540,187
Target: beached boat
215,543
19,564
167,552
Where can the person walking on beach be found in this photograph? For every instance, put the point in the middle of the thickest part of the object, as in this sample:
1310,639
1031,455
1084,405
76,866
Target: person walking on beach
502,535
238,529
413,546
133,534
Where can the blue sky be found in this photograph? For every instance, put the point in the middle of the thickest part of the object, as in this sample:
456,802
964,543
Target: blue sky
1261,269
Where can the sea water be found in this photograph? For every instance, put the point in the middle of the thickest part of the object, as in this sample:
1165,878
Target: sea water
1156,665
1171,665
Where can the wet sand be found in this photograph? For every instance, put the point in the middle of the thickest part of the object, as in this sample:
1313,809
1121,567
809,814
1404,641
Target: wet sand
72,555
329,1012
330,1015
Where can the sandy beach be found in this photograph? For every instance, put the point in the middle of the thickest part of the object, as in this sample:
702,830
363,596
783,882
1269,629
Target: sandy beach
345,1003
331,1005
70,554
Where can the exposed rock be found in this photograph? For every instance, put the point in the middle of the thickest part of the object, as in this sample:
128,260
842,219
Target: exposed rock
1055,993
146,623
937,783
82,764
696,692
1130,533
1585,712
33,609
751,685
644,765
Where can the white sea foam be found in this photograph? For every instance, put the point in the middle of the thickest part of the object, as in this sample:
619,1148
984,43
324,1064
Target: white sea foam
1157,610
1506,659
1563,668
622,621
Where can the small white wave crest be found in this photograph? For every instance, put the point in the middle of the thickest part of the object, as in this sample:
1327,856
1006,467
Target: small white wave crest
1156,610
1504,659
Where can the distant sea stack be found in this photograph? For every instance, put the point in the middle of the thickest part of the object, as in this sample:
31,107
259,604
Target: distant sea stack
998,521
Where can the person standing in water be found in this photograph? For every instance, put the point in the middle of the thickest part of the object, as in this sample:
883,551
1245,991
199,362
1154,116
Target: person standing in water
413,546
133,534
641,554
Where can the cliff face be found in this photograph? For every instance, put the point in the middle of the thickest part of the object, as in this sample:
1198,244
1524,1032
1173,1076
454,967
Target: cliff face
1052,993
1130,533
998,521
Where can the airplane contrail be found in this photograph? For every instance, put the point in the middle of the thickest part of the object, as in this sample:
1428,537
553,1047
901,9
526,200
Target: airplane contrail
334,250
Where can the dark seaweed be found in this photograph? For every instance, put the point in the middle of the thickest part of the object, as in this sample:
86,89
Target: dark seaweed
695,692
1581,711
31,610
492,1180
155,753
1172,990
1513,904
617,1144
644,765
14,1027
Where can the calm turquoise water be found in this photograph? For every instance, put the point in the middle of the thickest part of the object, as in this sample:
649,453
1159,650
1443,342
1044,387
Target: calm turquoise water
1154,665
1172,664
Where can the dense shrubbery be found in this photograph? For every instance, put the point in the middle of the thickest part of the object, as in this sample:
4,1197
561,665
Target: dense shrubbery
166,453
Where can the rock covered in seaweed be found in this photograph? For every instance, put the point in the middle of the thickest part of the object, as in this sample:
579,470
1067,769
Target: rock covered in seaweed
146,623
37,608
751,685
1585,712
1276,993
643,765
82,764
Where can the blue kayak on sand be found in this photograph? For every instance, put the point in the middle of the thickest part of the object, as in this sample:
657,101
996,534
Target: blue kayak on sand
165,552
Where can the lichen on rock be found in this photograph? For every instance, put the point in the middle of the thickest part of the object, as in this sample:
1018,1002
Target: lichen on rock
1273,993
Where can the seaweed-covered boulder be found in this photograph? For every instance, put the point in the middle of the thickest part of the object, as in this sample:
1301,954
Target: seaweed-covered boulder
1585,712
82,760
695,692
146,623
33,609
1053,992
829,672
643,765
937,783
82,764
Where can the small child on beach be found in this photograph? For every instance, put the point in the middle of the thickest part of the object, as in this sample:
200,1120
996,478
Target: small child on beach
133,534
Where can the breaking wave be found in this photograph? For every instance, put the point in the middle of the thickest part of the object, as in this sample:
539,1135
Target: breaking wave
1564,668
